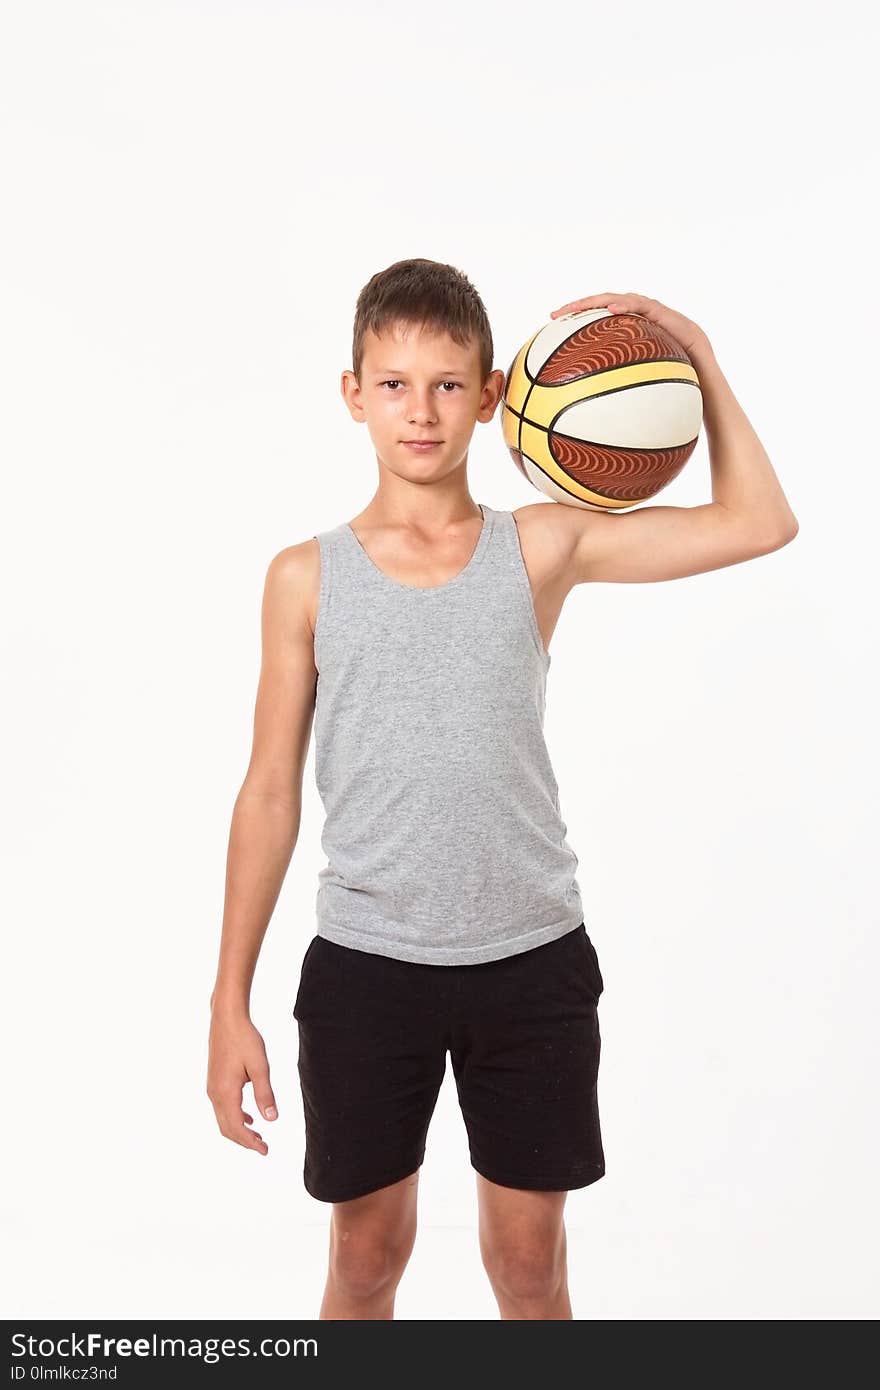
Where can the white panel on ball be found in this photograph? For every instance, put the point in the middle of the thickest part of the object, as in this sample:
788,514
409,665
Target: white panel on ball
653,415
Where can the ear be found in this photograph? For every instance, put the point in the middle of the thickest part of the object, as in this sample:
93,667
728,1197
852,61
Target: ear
491,395
351,394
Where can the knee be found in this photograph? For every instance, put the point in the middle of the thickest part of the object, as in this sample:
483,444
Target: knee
363,1264
526,1271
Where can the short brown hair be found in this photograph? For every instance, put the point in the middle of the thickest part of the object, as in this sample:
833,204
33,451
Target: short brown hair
425,293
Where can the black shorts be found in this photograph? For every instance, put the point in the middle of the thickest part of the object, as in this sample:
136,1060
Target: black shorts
523,1034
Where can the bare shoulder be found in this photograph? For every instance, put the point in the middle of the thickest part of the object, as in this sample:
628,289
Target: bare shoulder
549,535
293,582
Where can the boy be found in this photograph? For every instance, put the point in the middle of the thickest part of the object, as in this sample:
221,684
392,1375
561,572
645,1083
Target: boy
449,915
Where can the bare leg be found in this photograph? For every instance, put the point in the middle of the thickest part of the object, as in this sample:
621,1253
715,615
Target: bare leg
523,1245
371,1240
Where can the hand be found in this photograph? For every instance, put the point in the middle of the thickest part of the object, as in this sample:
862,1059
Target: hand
237,1054
683,330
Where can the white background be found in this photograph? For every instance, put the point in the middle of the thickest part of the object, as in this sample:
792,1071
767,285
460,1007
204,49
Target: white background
194,195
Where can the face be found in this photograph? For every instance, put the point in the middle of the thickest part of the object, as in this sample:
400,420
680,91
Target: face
418,384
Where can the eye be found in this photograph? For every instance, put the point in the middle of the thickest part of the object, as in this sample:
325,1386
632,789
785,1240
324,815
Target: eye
456,386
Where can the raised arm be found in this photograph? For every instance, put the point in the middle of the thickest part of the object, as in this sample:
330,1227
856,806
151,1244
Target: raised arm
749,514
264,830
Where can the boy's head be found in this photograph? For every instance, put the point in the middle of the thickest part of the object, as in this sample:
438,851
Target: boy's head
422,366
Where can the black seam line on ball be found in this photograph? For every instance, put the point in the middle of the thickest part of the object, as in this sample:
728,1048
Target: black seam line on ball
615,367
594,396
546,429
532,382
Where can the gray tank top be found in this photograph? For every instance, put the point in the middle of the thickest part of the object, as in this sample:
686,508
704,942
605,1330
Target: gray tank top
443,834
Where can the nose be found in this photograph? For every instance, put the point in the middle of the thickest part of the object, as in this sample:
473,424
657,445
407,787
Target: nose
421,411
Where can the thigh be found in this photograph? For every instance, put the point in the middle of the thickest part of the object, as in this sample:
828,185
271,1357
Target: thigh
516,1221
383,1220
371,1062
525,1055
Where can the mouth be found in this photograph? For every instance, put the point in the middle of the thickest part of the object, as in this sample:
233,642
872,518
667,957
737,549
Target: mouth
421,443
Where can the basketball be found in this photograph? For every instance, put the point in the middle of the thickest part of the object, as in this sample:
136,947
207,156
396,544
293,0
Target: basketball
601,410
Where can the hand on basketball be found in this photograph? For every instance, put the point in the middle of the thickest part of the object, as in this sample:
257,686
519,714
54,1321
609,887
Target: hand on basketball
682,329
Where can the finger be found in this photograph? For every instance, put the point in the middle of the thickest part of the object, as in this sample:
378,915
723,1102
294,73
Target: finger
614,306
263,1094
233,1124
248,1140
252,1140
236,1130
593,301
